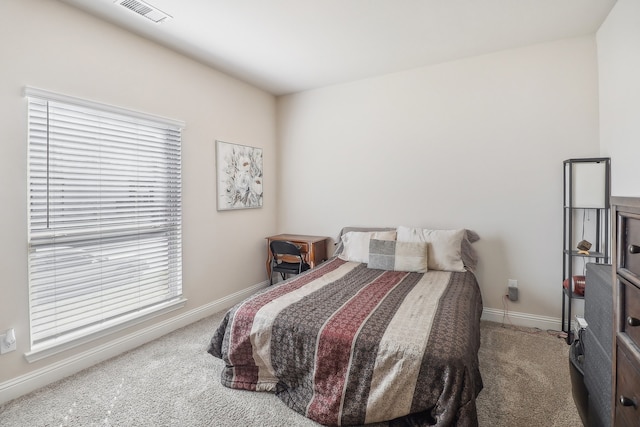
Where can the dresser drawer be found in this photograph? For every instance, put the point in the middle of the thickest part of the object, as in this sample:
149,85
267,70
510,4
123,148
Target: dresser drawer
631,315
629,243
628,394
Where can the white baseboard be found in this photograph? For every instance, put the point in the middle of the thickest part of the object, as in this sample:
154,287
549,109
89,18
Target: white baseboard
27,383
522,319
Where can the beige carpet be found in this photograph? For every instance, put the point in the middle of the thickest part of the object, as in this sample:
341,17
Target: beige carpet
526,379
174,382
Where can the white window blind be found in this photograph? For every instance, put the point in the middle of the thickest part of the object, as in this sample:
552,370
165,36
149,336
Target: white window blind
105,242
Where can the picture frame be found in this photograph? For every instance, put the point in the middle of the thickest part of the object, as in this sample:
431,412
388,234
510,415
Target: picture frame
239,176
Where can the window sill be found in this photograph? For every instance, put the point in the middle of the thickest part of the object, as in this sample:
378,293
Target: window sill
53,347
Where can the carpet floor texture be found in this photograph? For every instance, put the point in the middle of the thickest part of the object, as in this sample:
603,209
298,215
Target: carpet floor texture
172,381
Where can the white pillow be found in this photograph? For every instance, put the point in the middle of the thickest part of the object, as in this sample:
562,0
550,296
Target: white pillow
445,246
356,244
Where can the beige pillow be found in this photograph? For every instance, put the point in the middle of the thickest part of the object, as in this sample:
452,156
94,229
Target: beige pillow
445,246
356,244
393,255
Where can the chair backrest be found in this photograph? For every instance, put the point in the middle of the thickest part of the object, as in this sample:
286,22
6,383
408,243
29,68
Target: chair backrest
281,247
280,250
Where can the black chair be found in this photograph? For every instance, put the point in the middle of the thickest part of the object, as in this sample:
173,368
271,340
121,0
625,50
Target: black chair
282,253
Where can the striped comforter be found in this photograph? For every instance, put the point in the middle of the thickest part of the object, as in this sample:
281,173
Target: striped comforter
347,345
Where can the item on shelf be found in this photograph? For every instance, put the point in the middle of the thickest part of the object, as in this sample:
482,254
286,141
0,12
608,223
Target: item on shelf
578,284
584,246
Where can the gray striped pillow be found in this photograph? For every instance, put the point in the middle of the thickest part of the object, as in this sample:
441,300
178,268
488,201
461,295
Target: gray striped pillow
398,256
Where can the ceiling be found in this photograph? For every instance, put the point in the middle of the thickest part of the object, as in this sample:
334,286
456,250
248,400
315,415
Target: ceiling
287,46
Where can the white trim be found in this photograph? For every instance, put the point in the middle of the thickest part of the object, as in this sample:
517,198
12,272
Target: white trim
522,319
27,383
29,91
37,354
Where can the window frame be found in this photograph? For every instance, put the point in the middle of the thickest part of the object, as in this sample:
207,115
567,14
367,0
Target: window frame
99,329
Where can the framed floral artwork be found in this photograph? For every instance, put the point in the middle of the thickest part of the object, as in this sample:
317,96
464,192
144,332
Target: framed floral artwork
239,176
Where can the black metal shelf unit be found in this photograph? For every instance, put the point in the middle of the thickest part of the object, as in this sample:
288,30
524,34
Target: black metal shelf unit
587,185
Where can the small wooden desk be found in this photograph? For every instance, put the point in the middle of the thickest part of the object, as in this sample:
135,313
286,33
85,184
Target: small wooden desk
313,248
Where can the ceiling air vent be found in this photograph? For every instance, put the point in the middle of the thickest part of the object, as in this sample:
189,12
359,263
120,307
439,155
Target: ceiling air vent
144,9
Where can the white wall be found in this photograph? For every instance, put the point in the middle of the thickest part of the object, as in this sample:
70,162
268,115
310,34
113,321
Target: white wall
476,143
49,45
618,41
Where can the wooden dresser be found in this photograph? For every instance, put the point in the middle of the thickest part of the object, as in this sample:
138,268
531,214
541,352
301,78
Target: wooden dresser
625,406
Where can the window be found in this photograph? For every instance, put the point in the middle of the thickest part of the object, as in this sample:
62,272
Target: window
104,219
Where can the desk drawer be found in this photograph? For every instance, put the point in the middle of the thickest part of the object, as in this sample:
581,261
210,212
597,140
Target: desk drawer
631,315
629,244
628,381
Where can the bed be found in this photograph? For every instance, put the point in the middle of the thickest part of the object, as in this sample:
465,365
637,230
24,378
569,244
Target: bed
382,333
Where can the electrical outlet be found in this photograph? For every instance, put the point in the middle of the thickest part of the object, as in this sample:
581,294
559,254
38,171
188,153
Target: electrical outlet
512,290
8,341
